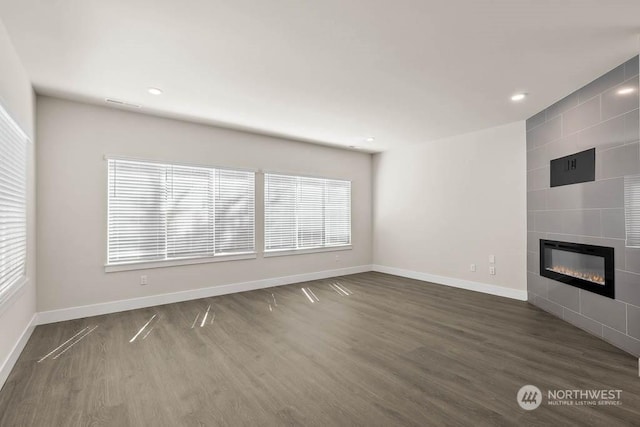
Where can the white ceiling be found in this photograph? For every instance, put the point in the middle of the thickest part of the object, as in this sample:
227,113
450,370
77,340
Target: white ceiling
326,71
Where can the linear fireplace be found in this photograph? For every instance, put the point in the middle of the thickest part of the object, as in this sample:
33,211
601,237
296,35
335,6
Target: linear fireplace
587,267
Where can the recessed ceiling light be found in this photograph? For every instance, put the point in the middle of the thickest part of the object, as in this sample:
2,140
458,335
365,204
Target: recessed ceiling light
626,90
154,91
518,96
370,139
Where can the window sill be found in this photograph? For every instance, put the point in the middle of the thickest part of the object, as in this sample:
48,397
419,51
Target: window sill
112,268
288,252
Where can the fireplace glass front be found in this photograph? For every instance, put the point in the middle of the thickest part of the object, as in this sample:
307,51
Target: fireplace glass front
582,266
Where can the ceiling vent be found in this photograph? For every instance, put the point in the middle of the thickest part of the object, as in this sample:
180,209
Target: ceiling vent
121,103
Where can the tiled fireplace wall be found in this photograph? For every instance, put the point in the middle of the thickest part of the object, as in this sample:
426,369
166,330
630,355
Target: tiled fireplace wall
593,212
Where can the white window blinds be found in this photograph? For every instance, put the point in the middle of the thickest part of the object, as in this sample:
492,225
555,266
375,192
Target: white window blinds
13,216
304,213
162,212
632,209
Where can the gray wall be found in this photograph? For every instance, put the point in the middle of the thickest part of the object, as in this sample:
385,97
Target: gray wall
593,116
73,138
423,208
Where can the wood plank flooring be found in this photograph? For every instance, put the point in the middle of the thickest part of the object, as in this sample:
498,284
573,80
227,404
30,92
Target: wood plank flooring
378,350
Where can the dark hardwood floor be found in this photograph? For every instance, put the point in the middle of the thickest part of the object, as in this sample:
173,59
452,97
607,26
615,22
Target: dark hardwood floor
376,350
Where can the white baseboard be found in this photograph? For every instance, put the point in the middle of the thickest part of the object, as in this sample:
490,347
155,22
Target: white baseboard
500,291
11,360
154,300
150,301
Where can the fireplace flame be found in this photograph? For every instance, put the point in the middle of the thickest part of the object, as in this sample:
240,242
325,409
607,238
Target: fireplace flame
591,277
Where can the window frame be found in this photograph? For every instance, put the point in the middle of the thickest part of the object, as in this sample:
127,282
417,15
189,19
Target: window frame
16,288
176,261
631,209
268,253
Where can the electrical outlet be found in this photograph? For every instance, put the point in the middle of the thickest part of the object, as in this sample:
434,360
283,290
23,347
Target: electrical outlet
143,280
492,259
337,258
472,267
492,270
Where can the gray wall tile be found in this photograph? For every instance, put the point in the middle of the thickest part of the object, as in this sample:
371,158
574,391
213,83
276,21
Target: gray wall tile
613,223
564,237
536,120
548,131
566,197
548,306
565,295
633,321
607,134
590,195
581,117
582,322
625,342
530,221
582,222
604,194
615,104
599,85
538,179
610,312
537,200
621,161
537,284
563,147
537,158
533,262
628,287
598,167
549,222
632,260
632,126
563,105
533,241
631,67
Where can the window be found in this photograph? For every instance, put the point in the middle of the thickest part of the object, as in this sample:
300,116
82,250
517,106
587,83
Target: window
305,213
160,212
13,202
632,210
